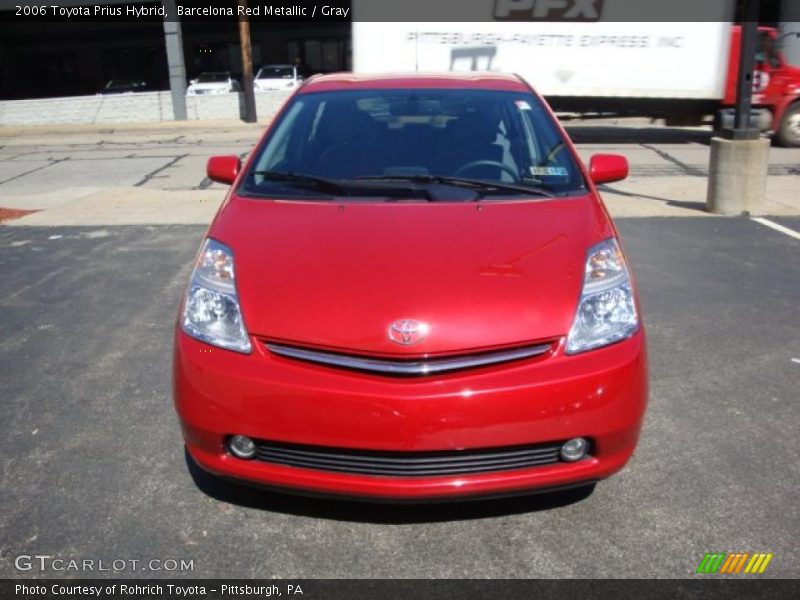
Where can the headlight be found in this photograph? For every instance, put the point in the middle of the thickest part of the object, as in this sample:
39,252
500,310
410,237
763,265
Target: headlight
211,310
606,311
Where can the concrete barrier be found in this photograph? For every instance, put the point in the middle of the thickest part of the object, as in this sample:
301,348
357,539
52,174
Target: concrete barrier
131,108
737,176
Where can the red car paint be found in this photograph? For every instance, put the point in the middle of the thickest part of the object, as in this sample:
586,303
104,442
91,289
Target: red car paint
485,275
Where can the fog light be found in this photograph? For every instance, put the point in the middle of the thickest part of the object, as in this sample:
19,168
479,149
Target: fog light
574,449
242,446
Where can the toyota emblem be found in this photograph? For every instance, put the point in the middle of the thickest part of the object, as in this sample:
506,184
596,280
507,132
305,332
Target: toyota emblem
407,332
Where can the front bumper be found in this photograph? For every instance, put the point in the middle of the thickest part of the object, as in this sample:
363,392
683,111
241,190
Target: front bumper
600,395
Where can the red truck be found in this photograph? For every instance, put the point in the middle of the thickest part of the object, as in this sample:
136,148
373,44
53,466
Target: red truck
776,88
775,104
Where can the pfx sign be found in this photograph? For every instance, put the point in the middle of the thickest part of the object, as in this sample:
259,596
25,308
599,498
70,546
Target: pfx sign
548,10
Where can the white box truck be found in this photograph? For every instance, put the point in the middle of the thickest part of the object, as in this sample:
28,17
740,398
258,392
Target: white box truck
684,72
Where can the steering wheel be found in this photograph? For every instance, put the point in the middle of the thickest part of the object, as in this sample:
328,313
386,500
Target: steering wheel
486,163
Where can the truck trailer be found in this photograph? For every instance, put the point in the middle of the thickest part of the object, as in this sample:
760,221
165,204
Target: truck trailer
683,72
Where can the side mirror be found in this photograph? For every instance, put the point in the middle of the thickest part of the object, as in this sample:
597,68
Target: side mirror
223,169
605,168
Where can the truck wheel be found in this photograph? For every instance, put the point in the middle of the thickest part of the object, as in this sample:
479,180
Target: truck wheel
788,133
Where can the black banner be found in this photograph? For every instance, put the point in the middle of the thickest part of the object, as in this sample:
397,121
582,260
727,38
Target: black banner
399,589
322,11
110,11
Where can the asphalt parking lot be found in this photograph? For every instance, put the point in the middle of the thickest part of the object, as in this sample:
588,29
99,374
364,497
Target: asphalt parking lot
93,464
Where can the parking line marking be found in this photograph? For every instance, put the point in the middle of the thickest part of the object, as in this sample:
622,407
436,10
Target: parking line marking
796,360
777,227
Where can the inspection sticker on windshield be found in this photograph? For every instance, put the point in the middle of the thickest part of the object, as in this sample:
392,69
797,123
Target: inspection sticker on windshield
549,172
523,105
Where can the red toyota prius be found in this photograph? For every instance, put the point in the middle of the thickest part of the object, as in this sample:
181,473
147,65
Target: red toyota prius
412,292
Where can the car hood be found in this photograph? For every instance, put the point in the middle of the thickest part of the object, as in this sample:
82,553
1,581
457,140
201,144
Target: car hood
480,275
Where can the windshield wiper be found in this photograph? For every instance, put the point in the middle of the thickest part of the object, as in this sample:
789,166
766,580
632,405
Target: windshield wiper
480,186
317,183
342,187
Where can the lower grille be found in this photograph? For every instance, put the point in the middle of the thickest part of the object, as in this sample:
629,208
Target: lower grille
408,464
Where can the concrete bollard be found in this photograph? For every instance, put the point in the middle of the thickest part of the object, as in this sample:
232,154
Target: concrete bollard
737,176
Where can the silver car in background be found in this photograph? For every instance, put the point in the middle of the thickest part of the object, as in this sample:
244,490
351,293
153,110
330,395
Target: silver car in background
277,77
213,83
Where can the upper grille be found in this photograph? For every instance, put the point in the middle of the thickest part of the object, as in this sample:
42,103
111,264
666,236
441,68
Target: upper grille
428,366
408,464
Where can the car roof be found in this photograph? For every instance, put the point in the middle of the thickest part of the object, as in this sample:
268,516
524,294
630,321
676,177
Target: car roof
471,80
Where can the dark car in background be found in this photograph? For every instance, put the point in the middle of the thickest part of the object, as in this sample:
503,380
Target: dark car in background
127,85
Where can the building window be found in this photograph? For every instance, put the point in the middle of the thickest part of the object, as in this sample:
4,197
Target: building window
320,55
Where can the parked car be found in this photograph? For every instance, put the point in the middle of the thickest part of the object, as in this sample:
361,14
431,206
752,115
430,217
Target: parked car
213,83
277,77
124,85
412,291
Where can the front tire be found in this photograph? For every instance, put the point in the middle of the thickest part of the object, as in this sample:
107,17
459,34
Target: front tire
788,133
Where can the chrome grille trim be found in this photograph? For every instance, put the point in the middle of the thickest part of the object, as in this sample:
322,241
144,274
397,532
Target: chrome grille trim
428,366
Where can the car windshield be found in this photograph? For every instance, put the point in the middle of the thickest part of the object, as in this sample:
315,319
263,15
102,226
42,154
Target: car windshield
213,78
275,73
497,143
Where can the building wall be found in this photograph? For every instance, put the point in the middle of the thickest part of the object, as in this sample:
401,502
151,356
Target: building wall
130,108
56,59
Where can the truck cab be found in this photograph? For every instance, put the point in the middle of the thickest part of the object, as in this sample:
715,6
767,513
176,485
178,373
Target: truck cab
776,87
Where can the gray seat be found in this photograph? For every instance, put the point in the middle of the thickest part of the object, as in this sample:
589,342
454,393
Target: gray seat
351,145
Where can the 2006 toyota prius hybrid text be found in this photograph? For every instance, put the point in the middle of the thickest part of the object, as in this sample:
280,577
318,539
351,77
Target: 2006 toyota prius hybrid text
412,292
